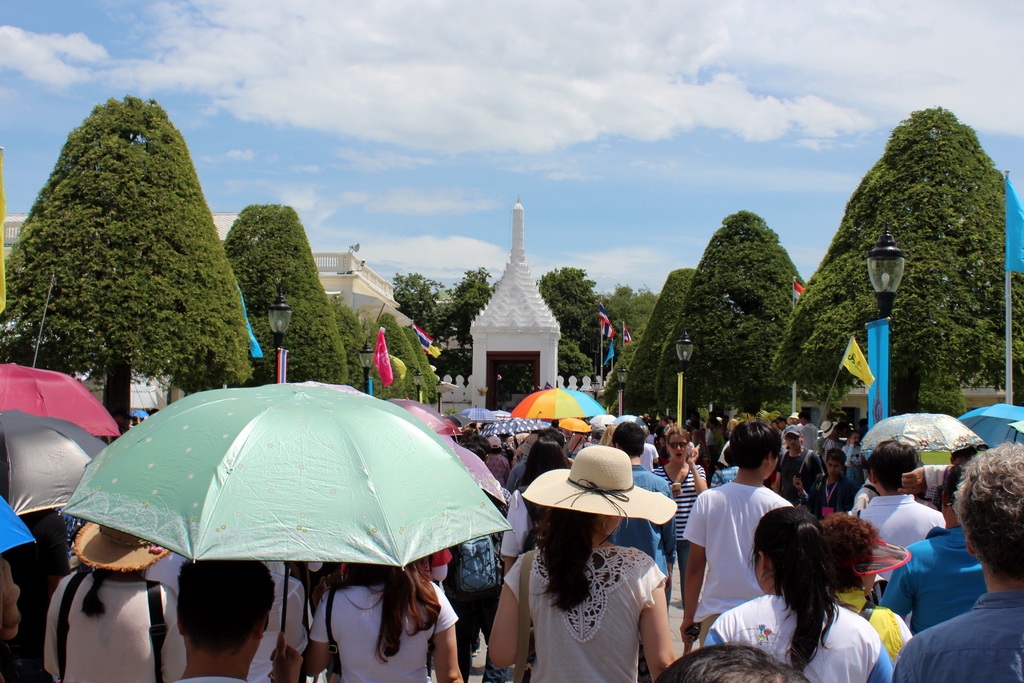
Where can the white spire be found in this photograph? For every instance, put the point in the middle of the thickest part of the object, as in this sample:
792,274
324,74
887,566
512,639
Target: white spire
518,253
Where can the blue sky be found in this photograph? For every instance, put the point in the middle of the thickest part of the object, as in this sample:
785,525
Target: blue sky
629,130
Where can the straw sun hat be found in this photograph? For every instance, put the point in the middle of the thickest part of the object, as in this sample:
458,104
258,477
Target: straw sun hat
600,482
102,547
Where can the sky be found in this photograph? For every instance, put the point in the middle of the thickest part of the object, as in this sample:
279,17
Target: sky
629,130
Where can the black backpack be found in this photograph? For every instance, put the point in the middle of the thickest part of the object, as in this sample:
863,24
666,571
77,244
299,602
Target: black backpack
476,570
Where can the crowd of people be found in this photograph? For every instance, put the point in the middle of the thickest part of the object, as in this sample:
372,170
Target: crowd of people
799,559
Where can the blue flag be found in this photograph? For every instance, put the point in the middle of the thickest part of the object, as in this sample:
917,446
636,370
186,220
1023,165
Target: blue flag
611,353
254,346
1014,230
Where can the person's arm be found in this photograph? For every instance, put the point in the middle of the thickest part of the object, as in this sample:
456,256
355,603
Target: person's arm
11,616
316,658
694,582
286,659
504,639
655,636
899,592
668,541
446,661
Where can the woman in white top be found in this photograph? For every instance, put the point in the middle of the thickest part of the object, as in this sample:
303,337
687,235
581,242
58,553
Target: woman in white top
592,603
382,620
799,621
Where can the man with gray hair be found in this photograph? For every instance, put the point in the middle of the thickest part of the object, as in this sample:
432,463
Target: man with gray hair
986,643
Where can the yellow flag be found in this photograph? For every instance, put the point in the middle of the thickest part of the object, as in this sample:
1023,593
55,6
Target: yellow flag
3,217
399,366
434,351
855,362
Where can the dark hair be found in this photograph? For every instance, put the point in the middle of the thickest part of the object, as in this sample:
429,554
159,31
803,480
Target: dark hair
804,414
890,461
952,479
566,543
730,663
836,455
751,442
546,454
629,437
407,596
221,602
792,539
477,445
91,603
553,433
850,540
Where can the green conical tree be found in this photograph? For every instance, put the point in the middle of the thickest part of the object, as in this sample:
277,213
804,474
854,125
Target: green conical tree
353,336
144,287
269,252
642,395
939,193
400,345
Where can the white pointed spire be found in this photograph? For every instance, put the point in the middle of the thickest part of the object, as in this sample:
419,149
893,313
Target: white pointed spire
518,253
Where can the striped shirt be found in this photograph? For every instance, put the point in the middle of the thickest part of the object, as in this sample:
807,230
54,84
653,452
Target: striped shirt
685,501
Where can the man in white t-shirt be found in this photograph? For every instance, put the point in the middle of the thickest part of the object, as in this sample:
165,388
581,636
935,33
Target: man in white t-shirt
721,531
809,429
899,518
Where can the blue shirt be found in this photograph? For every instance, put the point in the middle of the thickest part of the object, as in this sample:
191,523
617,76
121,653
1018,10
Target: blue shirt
985,644
657,540
941,581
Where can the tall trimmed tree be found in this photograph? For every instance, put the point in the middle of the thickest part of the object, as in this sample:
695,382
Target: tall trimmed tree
736,313
268,249
145,288
941,196
642,395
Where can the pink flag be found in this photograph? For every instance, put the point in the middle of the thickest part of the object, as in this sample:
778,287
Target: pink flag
382,360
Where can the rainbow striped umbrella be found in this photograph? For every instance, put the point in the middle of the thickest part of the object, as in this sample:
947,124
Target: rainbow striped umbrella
554,404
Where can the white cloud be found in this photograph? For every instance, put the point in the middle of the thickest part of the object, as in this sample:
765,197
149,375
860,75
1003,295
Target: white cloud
440,258
410,201
231,155
304,168
50,58
381,161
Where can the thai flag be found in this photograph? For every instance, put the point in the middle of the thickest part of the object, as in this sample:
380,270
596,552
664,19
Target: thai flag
626,338
798,289
606,324
425,339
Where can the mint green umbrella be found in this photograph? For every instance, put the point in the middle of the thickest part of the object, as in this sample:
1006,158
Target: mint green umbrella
285,472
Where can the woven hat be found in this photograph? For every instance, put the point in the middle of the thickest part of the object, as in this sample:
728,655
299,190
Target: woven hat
105,548
827,426
600,482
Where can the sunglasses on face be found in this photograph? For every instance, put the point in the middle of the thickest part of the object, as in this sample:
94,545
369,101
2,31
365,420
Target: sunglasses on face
677,444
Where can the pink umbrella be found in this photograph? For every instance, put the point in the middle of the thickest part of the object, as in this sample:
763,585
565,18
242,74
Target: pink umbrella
434,419
477,469
53,394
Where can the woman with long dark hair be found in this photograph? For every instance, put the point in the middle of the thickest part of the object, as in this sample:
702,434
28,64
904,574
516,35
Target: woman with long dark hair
591,603
799,620
381,621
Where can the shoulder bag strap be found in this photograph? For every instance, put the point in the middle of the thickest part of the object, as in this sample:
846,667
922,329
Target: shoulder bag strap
63,624
523,641
157,627
332,645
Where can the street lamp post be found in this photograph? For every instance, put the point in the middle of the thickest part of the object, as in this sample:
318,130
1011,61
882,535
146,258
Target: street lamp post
622,374
366,360
417,379
885,269
684,351
280,315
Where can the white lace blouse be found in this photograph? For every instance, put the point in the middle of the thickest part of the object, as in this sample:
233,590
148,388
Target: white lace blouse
599,638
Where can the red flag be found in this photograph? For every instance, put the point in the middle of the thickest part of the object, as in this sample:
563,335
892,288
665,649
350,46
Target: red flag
382,360
798,289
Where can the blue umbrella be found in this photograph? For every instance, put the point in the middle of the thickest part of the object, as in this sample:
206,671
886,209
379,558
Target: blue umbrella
13,531
993,423
478,415
516,425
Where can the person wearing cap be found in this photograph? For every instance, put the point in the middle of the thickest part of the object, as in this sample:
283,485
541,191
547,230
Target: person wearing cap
796,461
798,619
592,603
942,580
110,615
496,461
985,643
858,555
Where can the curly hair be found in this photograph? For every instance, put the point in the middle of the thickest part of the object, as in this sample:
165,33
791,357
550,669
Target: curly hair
849,540
990,506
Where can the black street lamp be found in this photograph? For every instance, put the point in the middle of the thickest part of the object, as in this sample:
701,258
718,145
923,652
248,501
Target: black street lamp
684,351
366,360
280,315
417,379
885,268
622,373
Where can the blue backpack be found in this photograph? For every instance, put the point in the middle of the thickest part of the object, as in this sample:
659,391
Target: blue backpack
476,570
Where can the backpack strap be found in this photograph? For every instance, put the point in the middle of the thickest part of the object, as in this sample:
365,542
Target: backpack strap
332,645
63,625
157,627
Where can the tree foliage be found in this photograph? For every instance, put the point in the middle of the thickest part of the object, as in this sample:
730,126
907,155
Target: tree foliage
400,345
269,252
735,313
569,293
572,361
939,193
419,298
463,304
642,395
353,337
145,287
634,307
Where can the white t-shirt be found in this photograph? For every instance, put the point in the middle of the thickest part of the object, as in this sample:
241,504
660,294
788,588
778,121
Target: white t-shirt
519,520
852,651
598,639
650,455
810,432
102,648
723,520
295,632
356,622
901,520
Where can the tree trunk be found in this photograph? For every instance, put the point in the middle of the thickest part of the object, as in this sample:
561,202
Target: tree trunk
906,394
117,393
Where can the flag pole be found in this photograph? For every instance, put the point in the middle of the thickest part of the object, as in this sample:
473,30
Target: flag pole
792,296
1009,316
